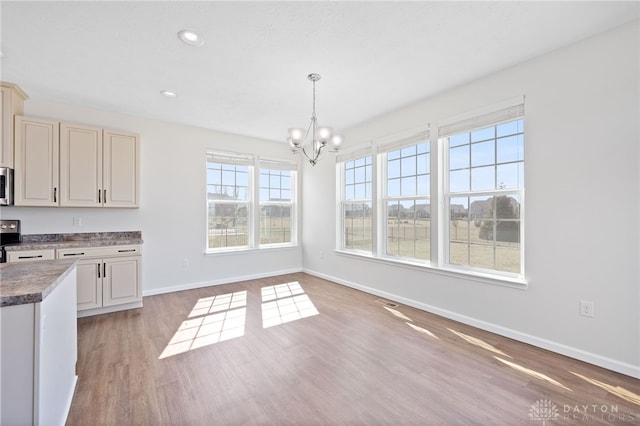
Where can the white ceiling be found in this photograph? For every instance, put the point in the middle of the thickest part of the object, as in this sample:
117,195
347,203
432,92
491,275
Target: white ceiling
250,76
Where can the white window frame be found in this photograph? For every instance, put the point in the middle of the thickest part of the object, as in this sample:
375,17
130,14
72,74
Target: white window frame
254,163
438,198
292,203
343,159
509,111
398,144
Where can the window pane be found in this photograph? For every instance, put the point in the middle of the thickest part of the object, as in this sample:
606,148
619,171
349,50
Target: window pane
408,166
461,139
275,224
510,128
510,176
508,207
459,230
408,186
408,229
459,157
392,155
349,176
483,134
424,184
228,225
393,169
511,149
393,187
481,256
483,178
423,163
483,153
357,226
508,258
350,192
459,180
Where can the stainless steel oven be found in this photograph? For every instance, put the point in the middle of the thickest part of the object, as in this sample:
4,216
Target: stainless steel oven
9,234
6,186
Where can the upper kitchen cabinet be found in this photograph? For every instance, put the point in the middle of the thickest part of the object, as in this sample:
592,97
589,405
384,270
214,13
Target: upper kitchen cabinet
12,103
36,162
121,169
80,166
98,168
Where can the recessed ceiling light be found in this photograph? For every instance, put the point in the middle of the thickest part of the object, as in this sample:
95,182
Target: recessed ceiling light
190,38
168,94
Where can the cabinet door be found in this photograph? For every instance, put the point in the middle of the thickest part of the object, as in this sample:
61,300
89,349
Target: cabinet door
36,162
11,104
80,166
121,280
121,173
89,290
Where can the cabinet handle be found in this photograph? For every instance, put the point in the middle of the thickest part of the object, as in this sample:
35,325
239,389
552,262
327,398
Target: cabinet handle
99,270
105,195
126,251
73,254
104,270
99,196
55,195
30,257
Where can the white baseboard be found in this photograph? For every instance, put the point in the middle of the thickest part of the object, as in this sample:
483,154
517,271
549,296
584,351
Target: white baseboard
208,283
579,354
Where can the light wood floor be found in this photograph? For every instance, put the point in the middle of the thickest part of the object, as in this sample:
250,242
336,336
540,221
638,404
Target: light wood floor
356,361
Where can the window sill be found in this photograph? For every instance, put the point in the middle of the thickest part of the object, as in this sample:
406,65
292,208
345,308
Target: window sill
235,251
503,281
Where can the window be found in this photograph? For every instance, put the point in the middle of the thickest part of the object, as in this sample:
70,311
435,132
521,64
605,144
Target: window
407,206
474,179
485,176
277,194
246,209
356,205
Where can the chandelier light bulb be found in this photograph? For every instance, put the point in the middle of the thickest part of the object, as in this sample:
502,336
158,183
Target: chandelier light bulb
296,135
324,134
336,141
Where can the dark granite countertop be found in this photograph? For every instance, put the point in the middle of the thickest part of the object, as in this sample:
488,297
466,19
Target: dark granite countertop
87,239
31,282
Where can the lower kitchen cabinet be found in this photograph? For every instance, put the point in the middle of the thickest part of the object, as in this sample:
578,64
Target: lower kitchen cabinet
108,278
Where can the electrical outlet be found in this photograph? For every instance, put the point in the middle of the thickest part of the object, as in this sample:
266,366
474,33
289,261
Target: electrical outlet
587,308
185,263
77,221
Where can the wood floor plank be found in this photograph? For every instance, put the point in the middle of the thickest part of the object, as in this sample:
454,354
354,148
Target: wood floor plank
351,361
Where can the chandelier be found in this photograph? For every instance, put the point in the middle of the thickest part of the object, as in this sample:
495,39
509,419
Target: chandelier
312,141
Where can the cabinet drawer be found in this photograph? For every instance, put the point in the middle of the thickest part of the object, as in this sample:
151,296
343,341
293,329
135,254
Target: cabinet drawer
30,255
88,252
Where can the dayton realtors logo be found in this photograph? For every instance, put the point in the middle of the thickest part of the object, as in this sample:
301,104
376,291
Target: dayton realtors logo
546,411
543,410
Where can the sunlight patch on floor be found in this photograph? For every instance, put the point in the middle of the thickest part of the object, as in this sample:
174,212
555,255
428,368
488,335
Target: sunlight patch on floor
621,392
532,373
479,342
422,330
398,314
212,320
284,303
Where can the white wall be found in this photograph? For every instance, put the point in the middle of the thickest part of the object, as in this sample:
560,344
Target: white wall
172,216
582,206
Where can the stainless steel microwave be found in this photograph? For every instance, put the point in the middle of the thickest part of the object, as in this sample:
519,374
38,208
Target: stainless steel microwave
6,186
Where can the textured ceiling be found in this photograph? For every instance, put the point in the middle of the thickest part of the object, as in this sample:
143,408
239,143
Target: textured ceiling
250,76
